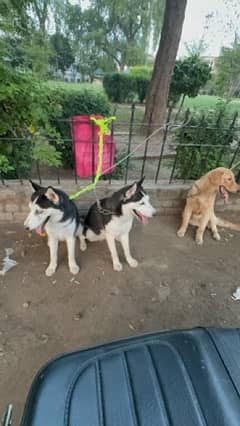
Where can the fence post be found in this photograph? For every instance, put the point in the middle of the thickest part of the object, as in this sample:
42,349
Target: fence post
178,148
73,150
129,140
165,133
38,172
111,146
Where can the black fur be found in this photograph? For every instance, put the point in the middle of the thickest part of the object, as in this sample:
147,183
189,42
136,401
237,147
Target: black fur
96,221
65,205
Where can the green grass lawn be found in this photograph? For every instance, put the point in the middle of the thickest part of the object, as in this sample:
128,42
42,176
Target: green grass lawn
206,102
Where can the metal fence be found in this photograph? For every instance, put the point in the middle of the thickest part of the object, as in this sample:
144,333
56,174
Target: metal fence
173,153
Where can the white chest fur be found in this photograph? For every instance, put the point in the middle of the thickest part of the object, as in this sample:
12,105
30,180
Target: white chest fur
119,226
61,230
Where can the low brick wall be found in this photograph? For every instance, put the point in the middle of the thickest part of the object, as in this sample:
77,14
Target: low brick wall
167,199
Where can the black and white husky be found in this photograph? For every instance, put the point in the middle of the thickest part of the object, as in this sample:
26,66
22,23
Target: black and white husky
53,213
112,219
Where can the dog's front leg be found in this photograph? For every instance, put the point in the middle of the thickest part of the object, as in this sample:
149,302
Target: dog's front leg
117,266
200,230
214,230
74,269
53,247
187,213
125,245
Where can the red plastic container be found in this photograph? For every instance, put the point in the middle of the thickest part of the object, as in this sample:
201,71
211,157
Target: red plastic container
85,135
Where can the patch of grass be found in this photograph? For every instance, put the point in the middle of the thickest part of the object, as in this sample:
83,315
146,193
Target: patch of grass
123,113
74,86
206,102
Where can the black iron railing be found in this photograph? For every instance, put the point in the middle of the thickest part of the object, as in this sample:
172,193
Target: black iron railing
173,153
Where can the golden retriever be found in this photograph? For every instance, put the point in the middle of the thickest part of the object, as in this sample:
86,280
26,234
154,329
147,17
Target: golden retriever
199,209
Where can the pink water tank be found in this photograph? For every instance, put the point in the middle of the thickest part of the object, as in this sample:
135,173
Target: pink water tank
85,135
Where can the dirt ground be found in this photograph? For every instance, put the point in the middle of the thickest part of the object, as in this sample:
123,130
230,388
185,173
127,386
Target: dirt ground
176,285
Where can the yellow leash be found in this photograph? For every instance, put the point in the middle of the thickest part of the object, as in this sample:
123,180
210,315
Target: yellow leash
103,124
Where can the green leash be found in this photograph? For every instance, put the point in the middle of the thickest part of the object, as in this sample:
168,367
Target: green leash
103,124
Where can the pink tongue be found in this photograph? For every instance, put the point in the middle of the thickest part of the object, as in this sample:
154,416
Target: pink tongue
144,219
225,195
39,230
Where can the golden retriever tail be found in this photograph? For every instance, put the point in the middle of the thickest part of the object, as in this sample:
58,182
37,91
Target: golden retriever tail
226,224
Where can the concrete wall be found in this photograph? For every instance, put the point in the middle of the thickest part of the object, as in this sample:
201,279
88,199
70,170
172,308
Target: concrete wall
167,199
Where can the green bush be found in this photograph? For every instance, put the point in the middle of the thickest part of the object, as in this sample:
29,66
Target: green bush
123,88
209,138
26,113
142,87
120,87
73,102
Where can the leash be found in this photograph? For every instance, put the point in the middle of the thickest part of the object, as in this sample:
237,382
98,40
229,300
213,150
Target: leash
103,124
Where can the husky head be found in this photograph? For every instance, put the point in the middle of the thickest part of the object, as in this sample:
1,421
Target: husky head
44,205
136,202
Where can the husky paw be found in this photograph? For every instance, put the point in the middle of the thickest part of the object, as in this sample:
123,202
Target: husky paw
74,269
83,245
117,266
199,241
50,271
133,263
216,237
180,233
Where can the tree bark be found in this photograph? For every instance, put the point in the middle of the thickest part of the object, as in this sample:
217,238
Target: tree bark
156,102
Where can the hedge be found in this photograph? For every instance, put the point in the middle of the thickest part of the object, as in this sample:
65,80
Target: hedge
123,87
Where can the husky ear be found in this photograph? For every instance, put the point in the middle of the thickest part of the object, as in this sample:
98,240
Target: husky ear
35,186
52,195
140,182
131,191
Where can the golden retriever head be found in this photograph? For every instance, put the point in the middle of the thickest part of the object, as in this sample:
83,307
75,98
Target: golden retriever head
224,181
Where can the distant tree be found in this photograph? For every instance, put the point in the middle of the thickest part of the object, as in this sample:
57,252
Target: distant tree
228,71
119,30
61,56
196,48
156,102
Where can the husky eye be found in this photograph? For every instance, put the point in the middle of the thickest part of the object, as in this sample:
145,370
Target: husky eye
141,203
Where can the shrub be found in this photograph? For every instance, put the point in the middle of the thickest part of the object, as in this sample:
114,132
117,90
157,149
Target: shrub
142,87
189,76
120,87
209,138
25,111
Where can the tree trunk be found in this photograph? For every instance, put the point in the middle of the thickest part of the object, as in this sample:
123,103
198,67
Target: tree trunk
156,102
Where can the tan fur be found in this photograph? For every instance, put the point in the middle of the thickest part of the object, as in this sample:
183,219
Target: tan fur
199,209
